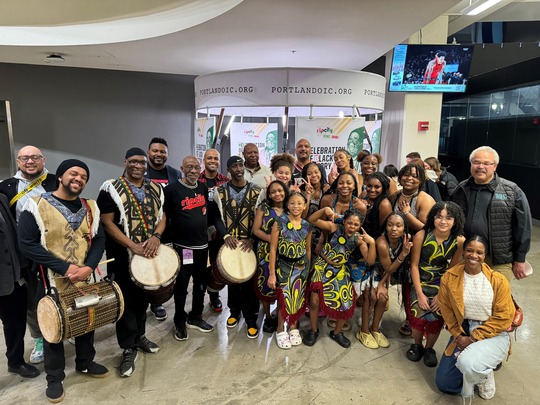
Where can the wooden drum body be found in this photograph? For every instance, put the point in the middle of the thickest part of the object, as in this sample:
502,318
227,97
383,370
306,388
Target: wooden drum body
59,319
234,266
156,275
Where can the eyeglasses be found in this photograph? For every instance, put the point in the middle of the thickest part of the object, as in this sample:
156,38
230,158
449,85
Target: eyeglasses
191,167
25,159
478,163
137,162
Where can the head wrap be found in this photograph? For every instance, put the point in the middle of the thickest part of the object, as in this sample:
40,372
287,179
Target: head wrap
234,159
135,152
68,164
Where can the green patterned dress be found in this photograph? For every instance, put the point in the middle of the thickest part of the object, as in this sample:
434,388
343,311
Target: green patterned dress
333,281
434,259
292,268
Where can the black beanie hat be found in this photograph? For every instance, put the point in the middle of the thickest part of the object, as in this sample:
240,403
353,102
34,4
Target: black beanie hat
68,164
234,159
135,152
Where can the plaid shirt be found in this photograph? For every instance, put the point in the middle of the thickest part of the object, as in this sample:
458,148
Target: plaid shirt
220,179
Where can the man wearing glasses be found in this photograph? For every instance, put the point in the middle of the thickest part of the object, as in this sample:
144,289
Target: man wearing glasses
32,179
498,210
132,215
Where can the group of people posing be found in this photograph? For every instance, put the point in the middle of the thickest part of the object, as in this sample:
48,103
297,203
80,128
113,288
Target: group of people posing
323,244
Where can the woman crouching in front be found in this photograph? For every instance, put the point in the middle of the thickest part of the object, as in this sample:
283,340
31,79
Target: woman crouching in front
477,307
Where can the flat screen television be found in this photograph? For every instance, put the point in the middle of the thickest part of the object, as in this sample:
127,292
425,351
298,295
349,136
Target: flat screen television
430,68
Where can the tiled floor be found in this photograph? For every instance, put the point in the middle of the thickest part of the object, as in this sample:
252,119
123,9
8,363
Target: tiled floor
225,367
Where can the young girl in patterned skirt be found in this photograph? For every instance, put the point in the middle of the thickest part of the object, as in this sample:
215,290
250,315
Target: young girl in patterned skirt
330,287
290,254
437,245
267,213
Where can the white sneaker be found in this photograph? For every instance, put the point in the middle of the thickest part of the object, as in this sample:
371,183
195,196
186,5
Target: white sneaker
486,389
37,355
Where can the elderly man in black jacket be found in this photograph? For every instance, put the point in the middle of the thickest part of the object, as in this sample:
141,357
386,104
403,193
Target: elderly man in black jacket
498,210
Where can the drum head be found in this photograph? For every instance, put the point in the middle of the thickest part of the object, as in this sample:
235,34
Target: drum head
235,265
152,273
50,320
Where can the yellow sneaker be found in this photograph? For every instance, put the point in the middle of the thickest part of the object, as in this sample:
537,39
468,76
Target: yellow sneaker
367,340
232,321
381,340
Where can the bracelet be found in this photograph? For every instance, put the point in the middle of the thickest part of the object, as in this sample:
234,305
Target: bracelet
471,339
157,235
226,236
399,260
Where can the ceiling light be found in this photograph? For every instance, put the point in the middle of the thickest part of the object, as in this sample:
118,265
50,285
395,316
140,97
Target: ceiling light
479,7
54,58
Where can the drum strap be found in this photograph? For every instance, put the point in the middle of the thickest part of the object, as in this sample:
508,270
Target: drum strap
91,220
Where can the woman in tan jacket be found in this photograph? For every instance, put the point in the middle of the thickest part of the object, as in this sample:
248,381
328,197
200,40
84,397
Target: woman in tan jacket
477,307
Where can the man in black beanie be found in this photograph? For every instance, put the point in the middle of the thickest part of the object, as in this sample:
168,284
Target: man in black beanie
61,234
132,215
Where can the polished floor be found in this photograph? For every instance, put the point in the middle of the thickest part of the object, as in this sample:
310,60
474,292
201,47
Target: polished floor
225,367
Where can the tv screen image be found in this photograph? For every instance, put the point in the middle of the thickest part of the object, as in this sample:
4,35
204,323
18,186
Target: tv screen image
430,68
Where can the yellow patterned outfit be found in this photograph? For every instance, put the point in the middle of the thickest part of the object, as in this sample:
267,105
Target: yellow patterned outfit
292,268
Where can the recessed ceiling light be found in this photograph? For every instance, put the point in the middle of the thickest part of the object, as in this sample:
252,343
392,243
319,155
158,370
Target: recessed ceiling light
54,58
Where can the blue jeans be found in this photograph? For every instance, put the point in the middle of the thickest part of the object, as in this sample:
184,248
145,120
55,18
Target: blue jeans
472,365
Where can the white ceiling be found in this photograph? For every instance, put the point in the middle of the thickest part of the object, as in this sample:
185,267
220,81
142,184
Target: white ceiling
204,36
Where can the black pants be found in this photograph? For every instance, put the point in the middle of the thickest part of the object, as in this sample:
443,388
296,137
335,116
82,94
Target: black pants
55,360
132,325
213,249
13,316
242,299
200,273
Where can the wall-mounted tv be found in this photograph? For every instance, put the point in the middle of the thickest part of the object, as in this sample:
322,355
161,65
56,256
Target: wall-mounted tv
430,68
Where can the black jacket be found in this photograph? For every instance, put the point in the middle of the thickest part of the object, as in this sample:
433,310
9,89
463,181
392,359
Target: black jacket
10,186
10,270
509,219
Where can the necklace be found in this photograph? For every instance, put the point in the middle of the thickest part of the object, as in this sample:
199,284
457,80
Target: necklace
192,188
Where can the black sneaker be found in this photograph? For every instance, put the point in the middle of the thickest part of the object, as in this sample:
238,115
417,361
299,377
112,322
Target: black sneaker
215,302
159,312
415,352
199,324
310,338
127,366
430,358
180,332
25,370
147,346
340,339
269,325
252,330
55,392
94,370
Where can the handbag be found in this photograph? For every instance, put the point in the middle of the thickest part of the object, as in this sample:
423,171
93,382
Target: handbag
518,316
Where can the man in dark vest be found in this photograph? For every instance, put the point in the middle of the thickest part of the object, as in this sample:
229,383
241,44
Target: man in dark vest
498,210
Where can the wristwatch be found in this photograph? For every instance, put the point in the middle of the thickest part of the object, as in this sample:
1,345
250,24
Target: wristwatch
157,235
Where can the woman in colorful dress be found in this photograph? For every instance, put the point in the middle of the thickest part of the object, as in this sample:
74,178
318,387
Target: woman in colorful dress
342,196
437,245
330,287
270,209
314,189
393,248
415,205
290,254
